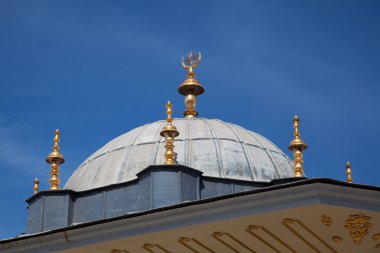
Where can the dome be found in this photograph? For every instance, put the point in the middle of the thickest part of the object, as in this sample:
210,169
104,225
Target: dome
217,148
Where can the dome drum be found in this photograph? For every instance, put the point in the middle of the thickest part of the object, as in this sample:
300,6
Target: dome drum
155,187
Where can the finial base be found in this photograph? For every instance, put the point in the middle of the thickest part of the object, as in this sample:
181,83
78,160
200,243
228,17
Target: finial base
170,155
190,114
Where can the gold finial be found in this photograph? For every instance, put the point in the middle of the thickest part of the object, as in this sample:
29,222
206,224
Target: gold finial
169,132
297,145
55,159
349,172
36,183
191,88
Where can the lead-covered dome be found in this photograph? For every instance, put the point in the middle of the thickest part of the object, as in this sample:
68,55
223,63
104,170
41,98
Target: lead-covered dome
217,148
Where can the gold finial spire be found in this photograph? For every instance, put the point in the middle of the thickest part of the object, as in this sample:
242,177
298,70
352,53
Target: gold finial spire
191,88
297,145
349,172
169,132
36,183
55,159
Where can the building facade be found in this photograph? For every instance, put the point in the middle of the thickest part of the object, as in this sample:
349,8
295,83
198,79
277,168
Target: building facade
197,185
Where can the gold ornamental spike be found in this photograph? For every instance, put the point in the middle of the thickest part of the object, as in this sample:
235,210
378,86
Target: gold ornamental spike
297,145
55,159
191,87
169,132
36,183
349,172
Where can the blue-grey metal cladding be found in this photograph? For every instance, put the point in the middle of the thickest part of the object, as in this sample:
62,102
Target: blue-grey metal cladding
155,187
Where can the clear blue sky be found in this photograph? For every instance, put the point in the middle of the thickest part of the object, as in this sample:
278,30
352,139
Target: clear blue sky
97,69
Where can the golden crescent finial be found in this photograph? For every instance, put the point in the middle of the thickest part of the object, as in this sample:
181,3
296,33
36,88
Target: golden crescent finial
192,61
191,88
184,65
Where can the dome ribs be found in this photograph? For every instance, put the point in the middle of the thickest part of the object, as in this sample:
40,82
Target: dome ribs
264,148
250,164
125,159
217,148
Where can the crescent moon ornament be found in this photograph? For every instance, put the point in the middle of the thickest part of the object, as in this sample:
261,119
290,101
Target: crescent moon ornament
191,60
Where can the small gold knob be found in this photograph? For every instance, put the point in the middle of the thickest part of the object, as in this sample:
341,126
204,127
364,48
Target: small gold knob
36,187
349,172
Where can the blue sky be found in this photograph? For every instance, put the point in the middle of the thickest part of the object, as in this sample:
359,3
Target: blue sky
97,69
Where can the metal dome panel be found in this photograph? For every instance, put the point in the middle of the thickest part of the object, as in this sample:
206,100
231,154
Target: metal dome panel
216,148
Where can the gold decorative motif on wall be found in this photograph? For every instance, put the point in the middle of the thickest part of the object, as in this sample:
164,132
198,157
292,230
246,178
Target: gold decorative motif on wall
376,237
119,251
253,230
337,239
225,238
154,248
289,223
325,220
358,225
194,245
